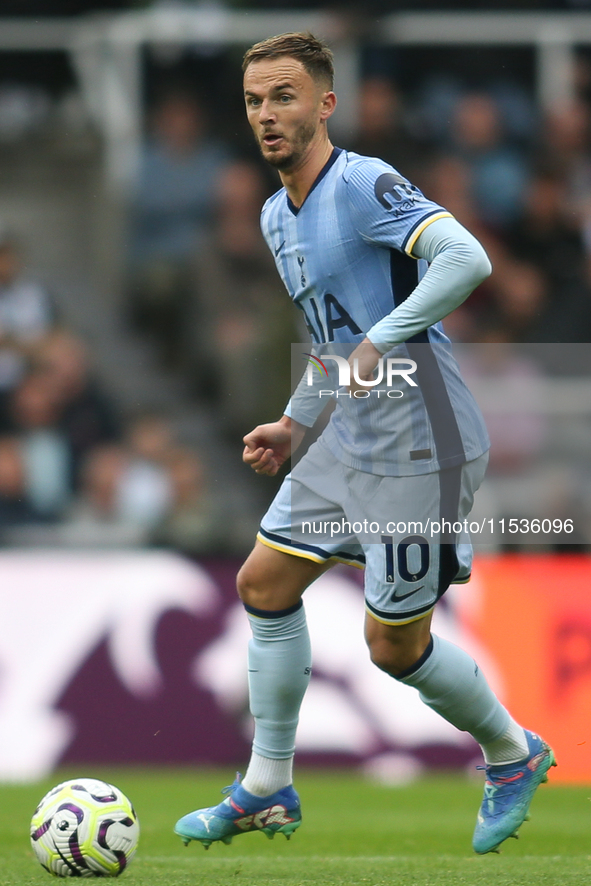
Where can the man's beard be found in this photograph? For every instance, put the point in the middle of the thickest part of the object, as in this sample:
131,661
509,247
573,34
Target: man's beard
300,142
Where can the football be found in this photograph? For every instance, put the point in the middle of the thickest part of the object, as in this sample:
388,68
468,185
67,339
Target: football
84,828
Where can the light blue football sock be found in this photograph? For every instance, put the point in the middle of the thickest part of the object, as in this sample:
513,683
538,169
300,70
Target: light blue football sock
279,668
450,682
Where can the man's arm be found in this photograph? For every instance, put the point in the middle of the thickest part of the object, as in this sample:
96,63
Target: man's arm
268,446
458,264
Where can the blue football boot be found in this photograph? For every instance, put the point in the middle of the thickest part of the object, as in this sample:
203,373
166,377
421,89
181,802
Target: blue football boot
508,792
240,813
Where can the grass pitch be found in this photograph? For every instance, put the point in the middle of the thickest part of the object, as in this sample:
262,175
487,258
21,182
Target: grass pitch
354,833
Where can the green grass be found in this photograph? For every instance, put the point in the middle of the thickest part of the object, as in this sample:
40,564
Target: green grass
354,834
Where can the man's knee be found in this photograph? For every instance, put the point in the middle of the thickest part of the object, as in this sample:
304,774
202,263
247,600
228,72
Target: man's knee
272,580
397,648
249,582
393,658
380,654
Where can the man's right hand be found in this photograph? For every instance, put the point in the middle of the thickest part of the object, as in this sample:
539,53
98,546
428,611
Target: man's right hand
269,446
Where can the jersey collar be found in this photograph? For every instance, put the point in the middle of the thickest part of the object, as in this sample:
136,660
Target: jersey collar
330,162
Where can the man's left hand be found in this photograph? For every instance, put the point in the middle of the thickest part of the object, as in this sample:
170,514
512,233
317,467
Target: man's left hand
367,357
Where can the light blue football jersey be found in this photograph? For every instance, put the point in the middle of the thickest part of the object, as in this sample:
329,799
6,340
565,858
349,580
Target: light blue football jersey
345,257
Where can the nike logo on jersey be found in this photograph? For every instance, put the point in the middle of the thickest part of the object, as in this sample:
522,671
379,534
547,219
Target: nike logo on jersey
279,248
396,597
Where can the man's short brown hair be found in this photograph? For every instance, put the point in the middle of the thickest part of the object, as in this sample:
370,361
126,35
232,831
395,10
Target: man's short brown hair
313,53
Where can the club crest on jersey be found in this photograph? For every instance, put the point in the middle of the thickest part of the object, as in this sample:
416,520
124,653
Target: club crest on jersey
402,195
301,261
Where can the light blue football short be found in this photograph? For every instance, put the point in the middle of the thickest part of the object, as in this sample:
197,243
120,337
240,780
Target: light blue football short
410,533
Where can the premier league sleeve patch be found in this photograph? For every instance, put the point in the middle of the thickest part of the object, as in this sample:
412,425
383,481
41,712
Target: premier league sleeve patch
388,210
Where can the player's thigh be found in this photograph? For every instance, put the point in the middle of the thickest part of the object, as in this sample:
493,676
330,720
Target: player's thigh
411,564
273,580
306,517
405,576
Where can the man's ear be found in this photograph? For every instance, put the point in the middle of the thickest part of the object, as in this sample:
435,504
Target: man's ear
329,103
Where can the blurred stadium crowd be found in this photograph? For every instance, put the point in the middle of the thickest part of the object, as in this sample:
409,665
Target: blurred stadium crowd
198,285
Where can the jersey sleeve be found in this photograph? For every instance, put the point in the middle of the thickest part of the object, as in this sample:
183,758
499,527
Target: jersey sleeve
264,223
457,264
386,209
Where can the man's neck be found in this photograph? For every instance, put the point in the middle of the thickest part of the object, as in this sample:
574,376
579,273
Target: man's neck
298,181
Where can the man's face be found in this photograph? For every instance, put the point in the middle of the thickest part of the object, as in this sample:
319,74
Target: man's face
285,108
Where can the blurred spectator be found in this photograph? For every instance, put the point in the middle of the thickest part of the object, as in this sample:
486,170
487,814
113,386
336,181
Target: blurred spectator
100,476
93,518
194,523
171,211
248,323
87,415
125,488
15,509
518,298
144,491
383,131
147,490
566,141
26,311
447,181
565,137
498,171
539,289
44,447
52,418
517,436
548,235
528,474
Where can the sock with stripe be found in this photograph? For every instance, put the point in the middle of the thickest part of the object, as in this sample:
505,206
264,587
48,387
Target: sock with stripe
451,683
279,668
